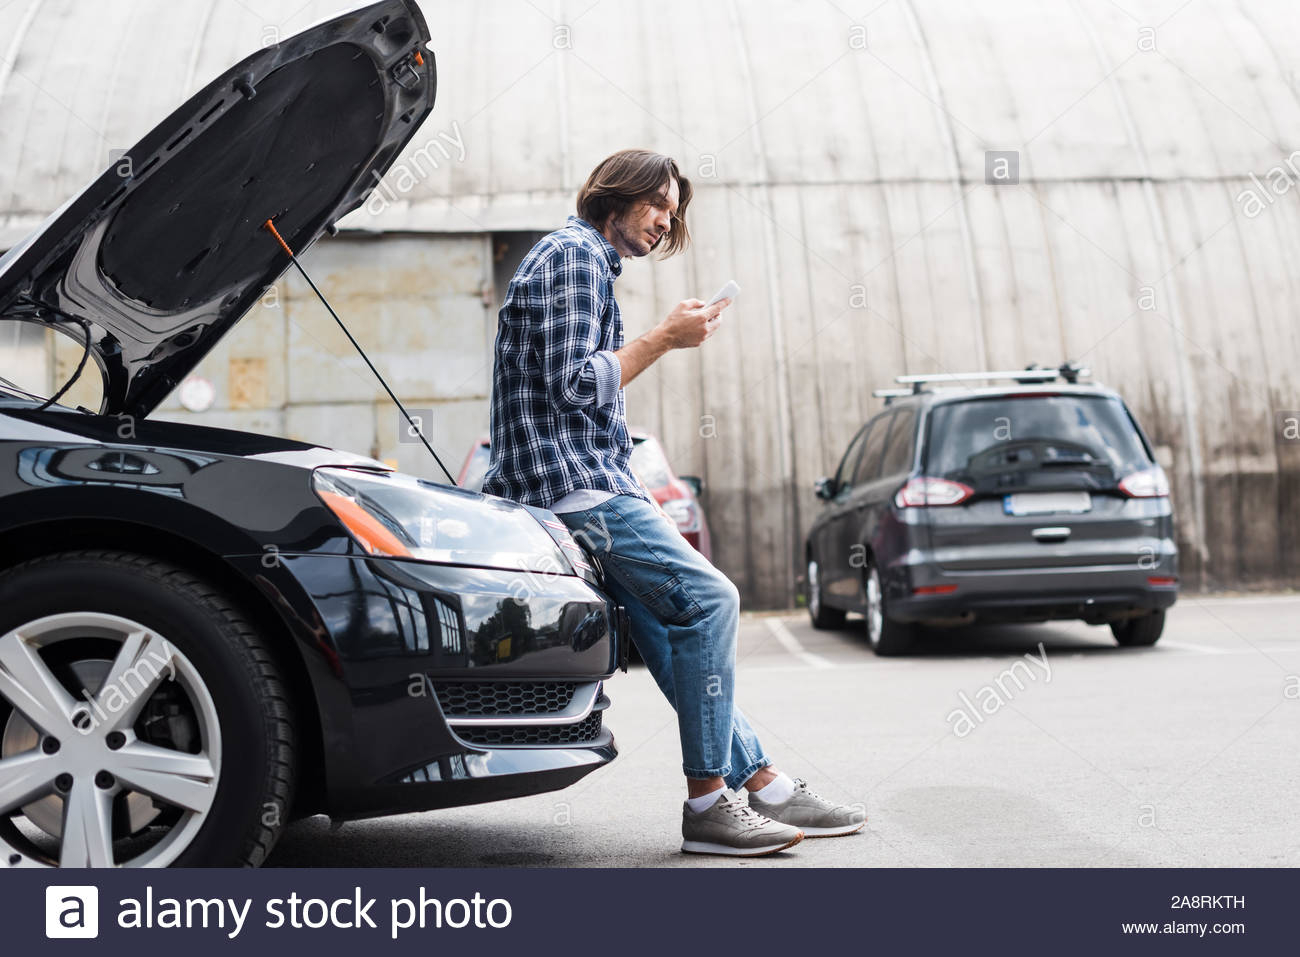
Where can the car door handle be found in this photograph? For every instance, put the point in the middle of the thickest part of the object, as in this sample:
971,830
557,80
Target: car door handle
1054,533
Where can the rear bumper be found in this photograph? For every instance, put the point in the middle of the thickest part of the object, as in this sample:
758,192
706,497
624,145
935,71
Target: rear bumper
1095,594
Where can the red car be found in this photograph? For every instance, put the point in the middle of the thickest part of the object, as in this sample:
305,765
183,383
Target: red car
678,495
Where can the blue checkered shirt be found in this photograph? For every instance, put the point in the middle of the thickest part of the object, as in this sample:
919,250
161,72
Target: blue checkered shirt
558,422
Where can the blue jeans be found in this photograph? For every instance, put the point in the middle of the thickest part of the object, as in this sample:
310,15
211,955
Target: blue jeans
685,615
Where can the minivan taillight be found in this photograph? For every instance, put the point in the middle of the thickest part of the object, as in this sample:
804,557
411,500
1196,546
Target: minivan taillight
926,491
1149,483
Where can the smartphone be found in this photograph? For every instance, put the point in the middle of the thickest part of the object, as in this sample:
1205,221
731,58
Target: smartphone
730,291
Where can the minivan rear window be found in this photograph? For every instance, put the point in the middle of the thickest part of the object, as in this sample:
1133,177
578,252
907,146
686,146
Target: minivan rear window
1000,442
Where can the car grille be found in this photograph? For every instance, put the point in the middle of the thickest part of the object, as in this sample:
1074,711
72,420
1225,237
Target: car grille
473,699
585,730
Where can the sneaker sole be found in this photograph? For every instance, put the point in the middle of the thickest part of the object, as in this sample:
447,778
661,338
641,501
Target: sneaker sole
707,847
832,831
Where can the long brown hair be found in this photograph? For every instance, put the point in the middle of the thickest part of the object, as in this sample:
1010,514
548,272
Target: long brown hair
629,177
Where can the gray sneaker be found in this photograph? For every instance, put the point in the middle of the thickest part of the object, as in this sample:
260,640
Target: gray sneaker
812,813
730,827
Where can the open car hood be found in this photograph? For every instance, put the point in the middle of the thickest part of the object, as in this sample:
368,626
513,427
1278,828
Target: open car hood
164,252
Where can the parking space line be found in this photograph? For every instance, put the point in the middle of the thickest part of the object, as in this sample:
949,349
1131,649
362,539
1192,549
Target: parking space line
791,644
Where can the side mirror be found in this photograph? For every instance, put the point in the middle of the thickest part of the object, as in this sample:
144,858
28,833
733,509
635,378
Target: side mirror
825,488
694,483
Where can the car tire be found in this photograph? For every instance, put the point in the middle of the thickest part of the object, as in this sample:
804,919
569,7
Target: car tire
886,637
823,617
1139,632
145,759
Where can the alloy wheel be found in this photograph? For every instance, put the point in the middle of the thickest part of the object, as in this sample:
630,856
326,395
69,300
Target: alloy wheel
110,745
814,590
875,607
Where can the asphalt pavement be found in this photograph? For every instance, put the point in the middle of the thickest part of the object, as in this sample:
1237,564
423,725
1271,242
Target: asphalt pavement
1026,745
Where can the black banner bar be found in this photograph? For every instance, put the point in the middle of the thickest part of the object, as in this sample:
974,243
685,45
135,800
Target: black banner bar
621,912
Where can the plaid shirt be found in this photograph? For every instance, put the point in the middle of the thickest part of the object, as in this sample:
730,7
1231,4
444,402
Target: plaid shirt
556,334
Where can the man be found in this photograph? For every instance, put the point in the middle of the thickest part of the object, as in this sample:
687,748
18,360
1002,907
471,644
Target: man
560,441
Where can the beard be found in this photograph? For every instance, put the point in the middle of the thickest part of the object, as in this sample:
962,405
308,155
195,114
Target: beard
635,237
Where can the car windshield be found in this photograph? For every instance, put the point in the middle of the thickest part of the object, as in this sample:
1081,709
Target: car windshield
650,464
17,399
10,389
1004,442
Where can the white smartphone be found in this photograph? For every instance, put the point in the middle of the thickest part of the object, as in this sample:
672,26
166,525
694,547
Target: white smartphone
730,291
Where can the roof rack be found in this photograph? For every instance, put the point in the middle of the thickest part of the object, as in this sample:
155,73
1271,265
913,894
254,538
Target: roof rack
888,394
1069,372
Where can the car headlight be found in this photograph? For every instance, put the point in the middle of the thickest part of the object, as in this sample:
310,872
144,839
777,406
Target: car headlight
391,515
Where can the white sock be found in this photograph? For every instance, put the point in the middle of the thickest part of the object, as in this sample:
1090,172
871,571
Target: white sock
777,791
704,801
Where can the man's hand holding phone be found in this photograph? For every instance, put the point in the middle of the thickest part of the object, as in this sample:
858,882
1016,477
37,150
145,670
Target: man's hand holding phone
686,327
693,321
722,298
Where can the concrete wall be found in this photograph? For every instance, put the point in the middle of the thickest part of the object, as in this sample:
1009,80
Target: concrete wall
839,152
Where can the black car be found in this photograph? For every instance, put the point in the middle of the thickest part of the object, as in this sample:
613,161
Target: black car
1034,501
206,633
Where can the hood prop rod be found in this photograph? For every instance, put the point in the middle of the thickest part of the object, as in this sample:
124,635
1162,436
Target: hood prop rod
415,426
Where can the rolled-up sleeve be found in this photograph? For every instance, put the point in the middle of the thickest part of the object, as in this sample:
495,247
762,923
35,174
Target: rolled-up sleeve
609,376
566,334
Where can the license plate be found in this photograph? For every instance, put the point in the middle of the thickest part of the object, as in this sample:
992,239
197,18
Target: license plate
1041,503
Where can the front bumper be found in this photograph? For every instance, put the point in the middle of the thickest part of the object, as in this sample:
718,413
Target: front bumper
384,640
478,776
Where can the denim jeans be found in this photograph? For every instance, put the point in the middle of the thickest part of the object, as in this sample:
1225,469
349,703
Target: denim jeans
685,615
